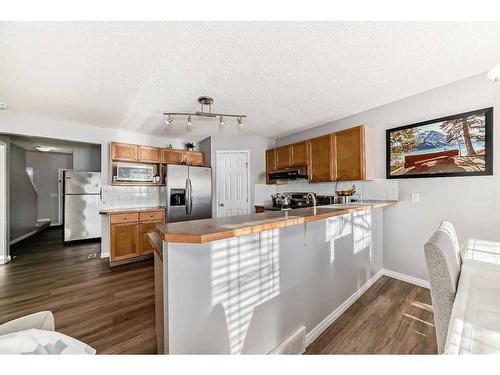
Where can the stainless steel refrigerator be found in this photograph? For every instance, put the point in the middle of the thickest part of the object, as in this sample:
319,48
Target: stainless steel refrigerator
82,193
189,193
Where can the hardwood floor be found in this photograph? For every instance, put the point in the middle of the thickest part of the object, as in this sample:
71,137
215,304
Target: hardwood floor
392,317
111,309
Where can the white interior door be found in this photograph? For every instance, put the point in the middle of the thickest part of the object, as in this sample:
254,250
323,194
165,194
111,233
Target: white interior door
233,183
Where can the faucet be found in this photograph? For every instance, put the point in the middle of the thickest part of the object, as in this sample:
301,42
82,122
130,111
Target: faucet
311,197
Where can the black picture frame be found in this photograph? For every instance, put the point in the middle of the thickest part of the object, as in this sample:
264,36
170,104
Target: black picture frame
488,171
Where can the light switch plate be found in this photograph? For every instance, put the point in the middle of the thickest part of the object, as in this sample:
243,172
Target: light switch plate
415,197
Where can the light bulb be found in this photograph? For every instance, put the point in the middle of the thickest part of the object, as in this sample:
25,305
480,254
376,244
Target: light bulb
189,121
240,122
221,121
169,120
494,73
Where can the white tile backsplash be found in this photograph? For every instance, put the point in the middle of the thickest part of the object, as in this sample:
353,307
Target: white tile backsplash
379,189
132,196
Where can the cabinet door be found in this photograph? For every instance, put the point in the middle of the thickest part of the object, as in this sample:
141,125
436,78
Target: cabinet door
124,241
146,227
350,153
321,158
124,152
149,154
283,157
171,156
194,158
299,153
270,165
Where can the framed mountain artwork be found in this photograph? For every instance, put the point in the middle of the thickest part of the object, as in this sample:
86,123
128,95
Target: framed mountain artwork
458,145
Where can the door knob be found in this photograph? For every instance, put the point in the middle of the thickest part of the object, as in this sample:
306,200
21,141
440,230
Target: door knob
222,204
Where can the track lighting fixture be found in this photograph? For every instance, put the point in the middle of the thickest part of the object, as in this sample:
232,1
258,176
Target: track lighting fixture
204,101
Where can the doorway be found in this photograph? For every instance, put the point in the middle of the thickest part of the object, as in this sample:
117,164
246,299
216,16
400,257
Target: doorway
233,183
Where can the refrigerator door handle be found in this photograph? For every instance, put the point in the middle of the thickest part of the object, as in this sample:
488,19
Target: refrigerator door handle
190,197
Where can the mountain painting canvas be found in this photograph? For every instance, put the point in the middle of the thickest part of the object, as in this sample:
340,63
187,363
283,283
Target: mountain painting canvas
458,145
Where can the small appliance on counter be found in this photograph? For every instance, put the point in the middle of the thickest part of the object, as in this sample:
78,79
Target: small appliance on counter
291,200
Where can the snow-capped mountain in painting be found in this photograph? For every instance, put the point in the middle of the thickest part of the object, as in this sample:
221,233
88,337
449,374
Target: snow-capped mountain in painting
431,139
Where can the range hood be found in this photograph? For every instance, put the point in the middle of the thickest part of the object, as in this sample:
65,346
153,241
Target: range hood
287,174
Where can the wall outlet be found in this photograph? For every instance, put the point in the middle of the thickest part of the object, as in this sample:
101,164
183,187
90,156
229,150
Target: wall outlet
415,197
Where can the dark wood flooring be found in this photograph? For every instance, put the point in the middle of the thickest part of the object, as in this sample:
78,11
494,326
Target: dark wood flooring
111,309
392,317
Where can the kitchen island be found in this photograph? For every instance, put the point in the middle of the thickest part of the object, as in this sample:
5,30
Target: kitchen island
265,282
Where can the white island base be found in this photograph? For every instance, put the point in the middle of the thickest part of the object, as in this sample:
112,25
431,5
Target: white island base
249,294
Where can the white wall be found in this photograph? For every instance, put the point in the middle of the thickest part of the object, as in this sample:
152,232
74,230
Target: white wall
471,203
4,243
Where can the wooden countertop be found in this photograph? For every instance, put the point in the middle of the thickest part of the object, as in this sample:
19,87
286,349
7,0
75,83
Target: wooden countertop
107,211
201,231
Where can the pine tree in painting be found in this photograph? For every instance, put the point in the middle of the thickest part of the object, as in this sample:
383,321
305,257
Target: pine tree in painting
468,129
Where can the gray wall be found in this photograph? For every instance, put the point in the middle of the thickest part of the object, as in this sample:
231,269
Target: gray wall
45,175
471,203
87,158
23,198
257,146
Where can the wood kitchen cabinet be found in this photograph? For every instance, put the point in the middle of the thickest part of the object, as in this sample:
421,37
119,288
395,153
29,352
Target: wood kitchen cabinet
128,234
299,153
321,158
283,157
194,158
149,154
171,156
352,147
270,165
124,152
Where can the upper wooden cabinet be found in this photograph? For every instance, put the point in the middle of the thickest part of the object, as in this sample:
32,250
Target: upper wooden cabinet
283,156
321,158
124,152
352,147
171,156
149,154
299,153
194,158
270,160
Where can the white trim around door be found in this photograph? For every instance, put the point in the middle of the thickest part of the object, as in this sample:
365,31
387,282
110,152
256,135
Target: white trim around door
218,179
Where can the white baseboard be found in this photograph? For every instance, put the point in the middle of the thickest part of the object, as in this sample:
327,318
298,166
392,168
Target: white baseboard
318,330
409,279
23,237
5,259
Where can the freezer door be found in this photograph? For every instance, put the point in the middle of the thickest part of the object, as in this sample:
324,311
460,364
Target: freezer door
81,217
76,182
200,188
176,179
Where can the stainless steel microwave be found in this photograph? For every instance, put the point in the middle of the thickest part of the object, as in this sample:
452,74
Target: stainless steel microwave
134,172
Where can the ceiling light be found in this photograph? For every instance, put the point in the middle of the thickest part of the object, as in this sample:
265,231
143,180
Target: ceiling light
494,73
4,106
43,148
205,101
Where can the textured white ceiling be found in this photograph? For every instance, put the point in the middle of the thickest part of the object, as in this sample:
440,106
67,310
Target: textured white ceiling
65,147
285,76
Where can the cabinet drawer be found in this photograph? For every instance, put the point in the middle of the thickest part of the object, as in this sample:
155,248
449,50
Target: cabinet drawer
125,218
152,215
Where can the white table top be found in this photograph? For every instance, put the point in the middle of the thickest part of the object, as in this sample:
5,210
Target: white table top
475,320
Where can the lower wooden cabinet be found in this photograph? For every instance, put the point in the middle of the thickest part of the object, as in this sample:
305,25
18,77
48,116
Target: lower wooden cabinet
124,241
128,234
